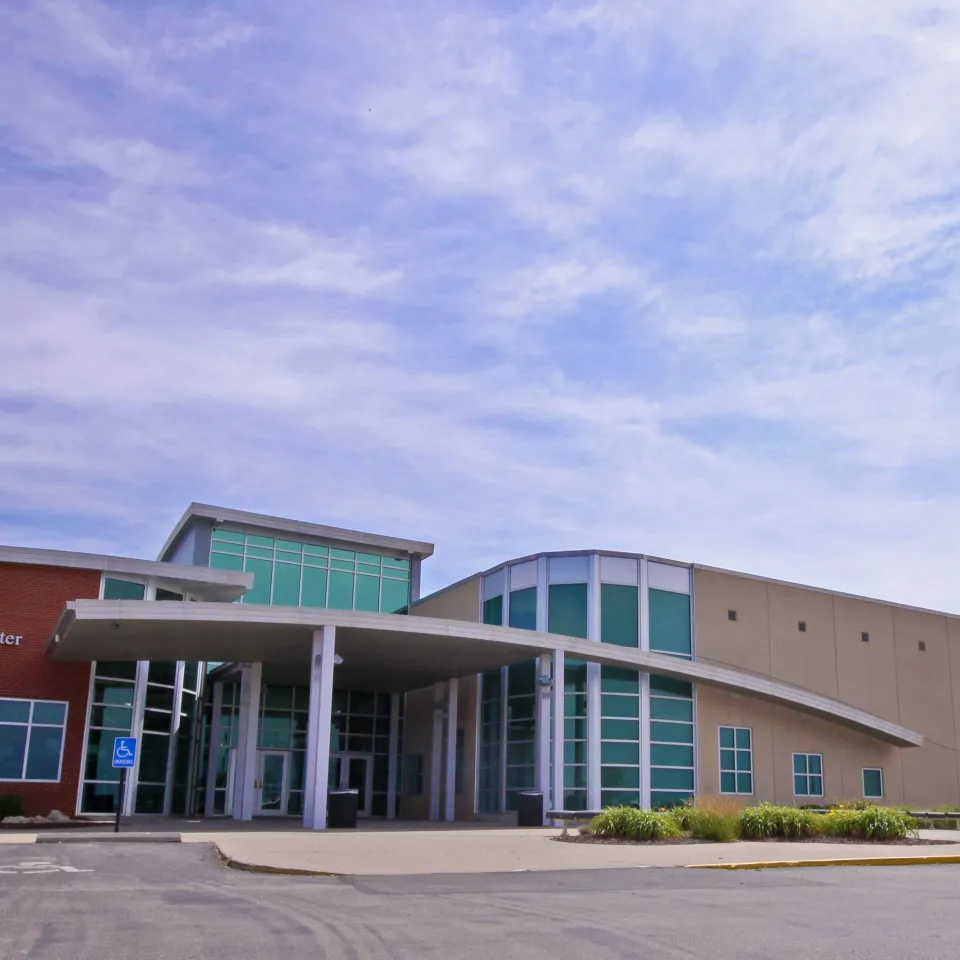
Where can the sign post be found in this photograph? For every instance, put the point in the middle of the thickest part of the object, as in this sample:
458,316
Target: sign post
124,756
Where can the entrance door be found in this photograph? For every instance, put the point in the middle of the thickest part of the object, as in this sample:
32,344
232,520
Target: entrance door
351,771
272,784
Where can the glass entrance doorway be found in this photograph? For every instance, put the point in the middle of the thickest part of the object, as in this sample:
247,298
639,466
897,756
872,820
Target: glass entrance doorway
353,771
271,784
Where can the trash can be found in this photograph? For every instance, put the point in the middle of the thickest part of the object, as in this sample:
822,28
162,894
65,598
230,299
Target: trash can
530,809
342,808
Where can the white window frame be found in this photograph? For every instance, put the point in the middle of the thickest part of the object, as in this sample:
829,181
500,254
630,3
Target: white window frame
736,792
808,775
863,783
30,725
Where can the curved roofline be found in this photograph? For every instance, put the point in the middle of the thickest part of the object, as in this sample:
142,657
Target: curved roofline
300,622
416,548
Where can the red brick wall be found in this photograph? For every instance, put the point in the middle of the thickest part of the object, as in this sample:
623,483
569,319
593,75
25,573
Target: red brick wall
31,600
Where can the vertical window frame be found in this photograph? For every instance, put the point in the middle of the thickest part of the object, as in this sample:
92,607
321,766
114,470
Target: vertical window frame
736,772
807,775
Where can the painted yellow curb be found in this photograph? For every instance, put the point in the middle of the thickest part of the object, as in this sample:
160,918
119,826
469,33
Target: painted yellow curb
839,862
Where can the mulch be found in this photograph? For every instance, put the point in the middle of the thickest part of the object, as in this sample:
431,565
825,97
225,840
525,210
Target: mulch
679,841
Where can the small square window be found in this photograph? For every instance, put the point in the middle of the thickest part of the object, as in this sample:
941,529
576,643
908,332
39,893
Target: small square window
802,626
865,637
923,646
731,614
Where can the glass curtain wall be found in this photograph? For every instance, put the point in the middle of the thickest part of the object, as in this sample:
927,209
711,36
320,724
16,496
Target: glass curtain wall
292,573
671,742
111,716
567,615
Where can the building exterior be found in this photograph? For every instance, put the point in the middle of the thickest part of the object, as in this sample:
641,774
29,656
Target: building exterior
263,662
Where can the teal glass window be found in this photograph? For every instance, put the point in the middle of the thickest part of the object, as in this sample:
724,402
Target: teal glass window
341,590
616,706
665,755
368,594
226,561
262,571
493,611
620,777
228,536
665,708
523,609
619,753
671,732
619,614
736,760
620,729
122,589
567,609
808,775
314,587
394,596
671,778
619,680
670,630
872,783
31,739
286,584
668,687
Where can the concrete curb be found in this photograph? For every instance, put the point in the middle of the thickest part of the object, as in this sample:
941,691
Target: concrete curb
233,864
109,838
837,862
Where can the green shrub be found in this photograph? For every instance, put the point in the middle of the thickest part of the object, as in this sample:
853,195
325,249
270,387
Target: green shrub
11,805
629,823
871,823
766,821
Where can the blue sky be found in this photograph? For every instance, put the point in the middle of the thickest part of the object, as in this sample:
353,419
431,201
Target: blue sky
672,278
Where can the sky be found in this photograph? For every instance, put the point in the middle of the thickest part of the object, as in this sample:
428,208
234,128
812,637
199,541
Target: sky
676,279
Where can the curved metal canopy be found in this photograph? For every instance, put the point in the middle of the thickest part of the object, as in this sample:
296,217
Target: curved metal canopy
393,653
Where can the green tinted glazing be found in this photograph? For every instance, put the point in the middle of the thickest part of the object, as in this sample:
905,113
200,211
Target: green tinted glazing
262,571
368,594
872,783
122,590
662,799
670,622
314,592
622,777
669,756
620,729
567,609
255,540
726,738
493,611
341,590
224,561
229,536
218,547
662,708
343,554
614,752
286,584
313,550
669,687
665,778
290,546
612,705
743,738
671,732
620,798
394,596
523,609
619,680
342,565
728,783
619,615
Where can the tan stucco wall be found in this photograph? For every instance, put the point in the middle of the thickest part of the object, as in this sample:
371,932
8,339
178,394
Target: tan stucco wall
889,676
417,738
461,602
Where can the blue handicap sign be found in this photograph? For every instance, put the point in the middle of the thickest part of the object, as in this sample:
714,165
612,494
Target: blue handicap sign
124,751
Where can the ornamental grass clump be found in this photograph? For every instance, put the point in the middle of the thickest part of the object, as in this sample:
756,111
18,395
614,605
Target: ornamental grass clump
710,818
629,823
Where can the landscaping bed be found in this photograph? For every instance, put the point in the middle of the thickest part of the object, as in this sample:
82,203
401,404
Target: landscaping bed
673,841
722,820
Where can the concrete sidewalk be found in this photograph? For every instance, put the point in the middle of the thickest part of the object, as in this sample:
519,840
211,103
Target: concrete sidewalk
410,852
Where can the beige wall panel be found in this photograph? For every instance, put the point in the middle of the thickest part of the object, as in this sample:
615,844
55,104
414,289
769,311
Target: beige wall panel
807,659
715,708
866,672
930,776
871,753
458,603
743,643
467,721
953,647
923,677
417,737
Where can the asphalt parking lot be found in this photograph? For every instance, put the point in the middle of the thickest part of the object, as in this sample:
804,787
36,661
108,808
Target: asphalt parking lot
177,902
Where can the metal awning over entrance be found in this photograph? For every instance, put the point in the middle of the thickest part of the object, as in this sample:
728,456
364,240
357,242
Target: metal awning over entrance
392,653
